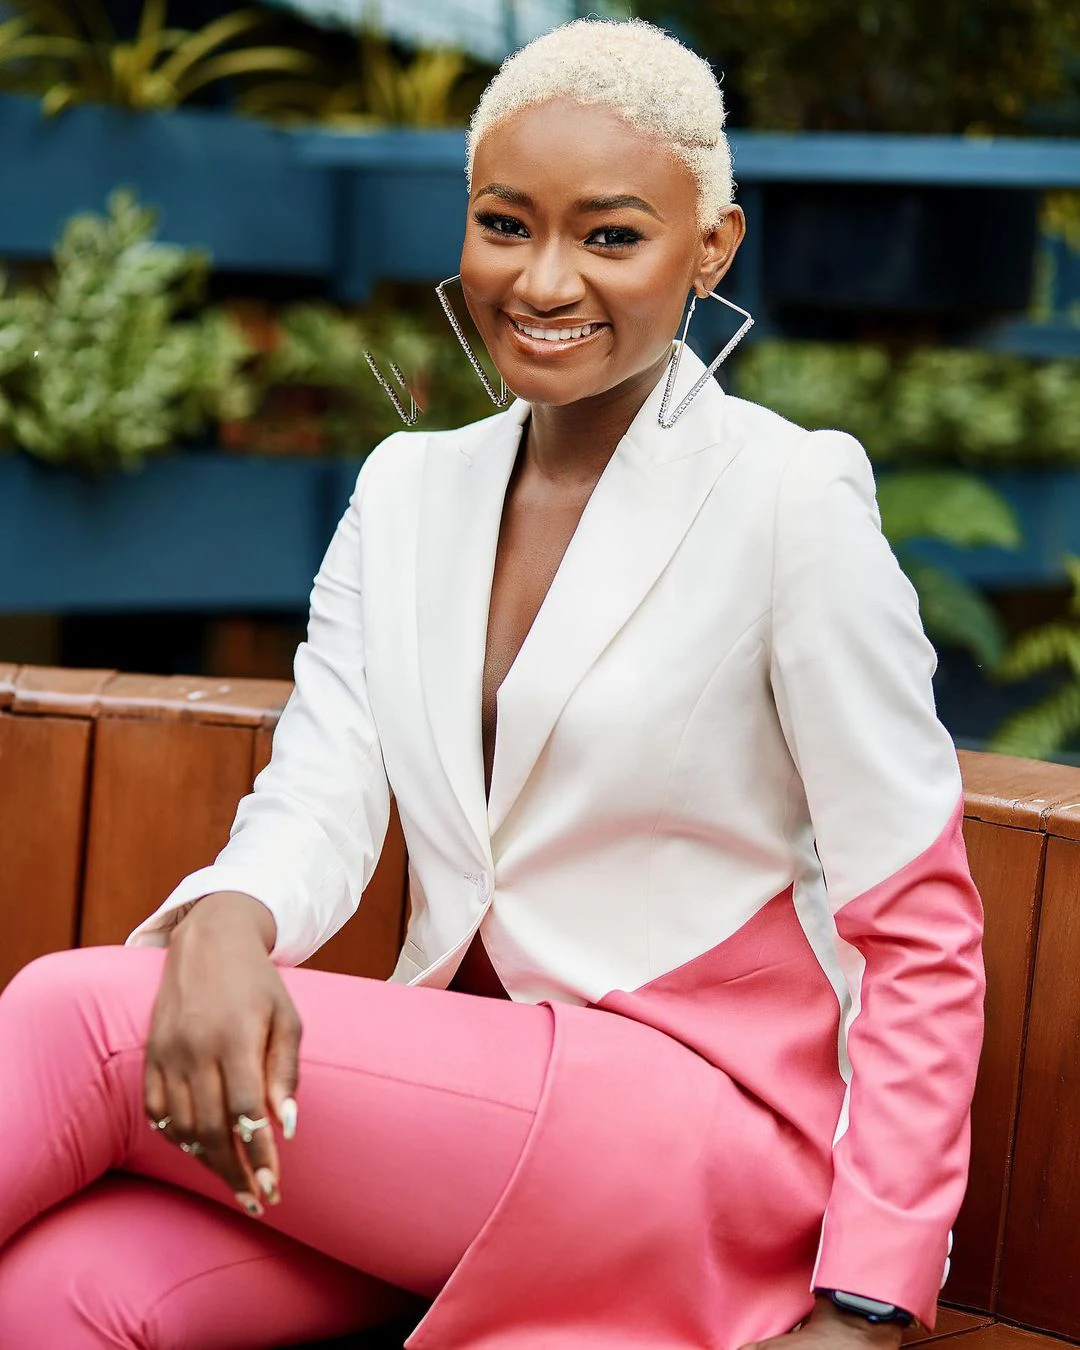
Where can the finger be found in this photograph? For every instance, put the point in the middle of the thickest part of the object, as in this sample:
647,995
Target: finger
179,1111
249,1125
155,1097
283,1066
214,1138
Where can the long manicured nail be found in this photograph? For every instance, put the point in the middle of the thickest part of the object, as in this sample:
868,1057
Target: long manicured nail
287,1116
247,1201
268,1184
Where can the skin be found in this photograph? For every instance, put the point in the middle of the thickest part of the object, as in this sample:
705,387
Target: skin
575,218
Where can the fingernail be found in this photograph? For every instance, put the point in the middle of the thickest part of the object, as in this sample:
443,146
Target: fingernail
287,1116
247,1201
267,1184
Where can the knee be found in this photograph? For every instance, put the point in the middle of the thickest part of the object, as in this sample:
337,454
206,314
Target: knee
73,1277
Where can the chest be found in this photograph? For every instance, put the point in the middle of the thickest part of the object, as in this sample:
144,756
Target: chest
538,522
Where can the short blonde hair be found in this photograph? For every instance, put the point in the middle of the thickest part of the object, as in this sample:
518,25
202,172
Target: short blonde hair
637,70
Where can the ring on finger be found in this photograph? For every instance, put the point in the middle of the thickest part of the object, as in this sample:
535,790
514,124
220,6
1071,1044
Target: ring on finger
193,1147
162,1124
247,1128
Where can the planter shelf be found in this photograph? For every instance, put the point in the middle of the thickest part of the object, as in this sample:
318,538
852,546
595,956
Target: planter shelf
213,532
224,183
202,531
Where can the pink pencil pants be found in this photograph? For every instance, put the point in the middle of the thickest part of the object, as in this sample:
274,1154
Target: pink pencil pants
415,1105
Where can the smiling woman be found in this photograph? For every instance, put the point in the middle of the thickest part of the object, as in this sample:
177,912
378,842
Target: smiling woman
681,1043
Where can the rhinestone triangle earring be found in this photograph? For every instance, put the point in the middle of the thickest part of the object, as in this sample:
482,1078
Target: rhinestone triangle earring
667,418
502,398
410,417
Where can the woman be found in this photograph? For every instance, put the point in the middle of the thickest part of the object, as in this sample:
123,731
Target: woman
655,704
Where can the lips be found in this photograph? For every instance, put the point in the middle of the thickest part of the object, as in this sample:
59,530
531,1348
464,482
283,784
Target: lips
551,338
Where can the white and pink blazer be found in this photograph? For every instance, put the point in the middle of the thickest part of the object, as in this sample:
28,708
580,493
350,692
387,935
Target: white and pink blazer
722,803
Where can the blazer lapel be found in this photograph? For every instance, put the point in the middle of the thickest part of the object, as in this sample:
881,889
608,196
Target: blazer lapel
464,487
643,505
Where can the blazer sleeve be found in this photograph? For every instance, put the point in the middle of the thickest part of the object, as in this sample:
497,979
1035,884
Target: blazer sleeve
851,676
306,840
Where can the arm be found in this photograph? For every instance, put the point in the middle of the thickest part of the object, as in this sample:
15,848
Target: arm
305,841
851,676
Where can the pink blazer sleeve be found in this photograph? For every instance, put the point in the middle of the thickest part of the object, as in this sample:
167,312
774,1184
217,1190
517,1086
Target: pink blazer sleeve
851,674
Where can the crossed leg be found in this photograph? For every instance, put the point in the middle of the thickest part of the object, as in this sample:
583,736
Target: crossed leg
134,1263
415,1106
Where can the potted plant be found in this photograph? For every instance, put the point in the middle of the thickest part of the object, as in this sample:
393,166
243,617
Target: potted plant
222,182
113,365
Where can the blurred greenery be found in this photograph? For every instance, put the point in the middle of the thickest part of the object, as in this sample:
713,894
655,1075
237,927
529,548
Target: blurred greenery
115,357
324,346
959,509
383,87
941,405
71,53
947,66
1053,722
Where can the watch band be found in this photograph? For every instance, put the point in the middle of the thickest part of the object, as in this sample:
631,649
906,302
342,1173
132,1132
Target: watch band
869,1308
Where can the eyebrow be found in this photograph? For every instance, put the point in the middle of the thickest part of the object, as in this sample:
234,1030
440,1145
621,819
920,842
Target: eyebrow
584,205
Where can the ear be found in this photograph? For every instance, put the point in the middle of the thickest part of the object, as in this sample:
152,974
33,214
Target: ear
718,248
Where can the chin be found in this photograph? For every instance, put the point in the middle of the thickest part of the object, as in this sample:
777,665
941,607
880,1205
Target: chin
553,388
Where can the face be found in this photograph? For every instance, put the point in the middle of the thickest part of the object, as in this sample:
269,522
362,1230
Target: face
581,247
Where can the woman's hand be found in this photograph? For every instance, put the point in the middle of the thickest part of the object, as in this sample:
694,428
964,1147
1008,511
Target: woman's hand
224,1043
827,1328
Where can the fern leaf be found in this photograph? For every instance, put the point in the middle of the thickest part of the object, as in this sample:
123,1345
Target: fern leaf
955,614
1040,730
958,508
1037,651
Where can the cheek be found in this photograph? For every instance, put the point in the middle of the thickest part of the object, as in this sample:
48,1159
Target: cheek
485,273
651,299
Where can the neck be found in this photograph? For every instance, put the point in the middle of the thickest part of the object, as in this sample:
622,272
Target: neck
573,442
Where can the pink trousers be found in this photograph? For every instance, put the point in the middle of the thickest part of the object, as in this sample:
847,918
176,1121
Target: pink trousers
415,1106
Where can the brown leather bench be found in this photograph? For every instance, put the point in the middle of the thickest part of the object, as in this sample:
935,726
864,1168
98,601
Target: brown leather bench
113,787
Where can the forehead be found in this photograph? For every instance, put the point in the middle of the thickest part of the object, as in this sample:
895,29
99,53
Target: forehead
561,151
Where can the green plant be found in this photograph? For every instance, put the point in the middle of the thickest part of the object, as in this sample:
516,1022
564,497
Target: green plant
1048,725
98,368
385,89
883,65
959,509
323,346
929,405
87,62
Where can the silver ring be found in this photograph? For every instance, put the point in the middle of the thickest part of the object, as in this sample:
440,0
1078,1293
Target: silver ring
194,1148
247,1128
162,1124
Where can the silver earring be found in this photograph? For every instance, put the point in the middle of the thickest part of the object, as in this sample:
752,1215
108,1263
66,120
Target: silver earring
410,417
667,420
502,398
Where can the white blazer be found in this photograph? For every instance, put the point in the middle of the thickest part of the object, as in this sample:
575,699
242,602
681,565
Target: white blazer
718,738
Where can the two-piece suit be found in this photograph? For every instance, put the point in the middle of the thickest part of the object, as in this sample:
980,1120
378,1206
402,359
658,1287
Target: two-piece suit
721,806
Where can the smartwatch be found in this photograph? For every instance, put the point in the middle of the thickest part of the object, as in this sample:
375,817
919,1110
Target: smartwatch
868,1308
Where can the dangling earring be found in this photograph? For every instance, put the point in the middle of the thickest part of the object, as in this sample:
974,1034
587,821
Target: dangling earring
668,421
503,397
410,417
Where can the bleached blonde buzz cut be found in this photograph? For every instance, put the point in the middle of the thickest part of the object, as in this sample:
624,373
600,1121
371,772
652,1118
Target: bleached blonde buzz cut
648,77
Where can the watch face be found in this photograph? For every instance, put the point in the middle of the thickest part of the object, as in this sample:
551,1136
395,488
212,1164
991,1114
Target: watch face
869,1308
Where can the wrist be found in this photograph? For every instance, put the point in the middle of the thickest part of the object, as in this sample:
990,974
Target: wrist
883,1334
232,912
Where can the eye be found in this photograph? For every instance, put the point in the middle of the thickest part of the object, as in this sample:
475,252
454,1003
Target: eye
508,226
614,236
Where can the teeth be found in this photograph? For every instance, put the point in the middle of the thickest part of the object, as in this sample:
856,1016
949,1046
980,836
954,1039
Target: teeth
557,334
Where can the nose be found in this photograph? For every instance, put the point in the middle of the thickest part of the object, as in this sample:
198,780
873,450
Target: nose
549,280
